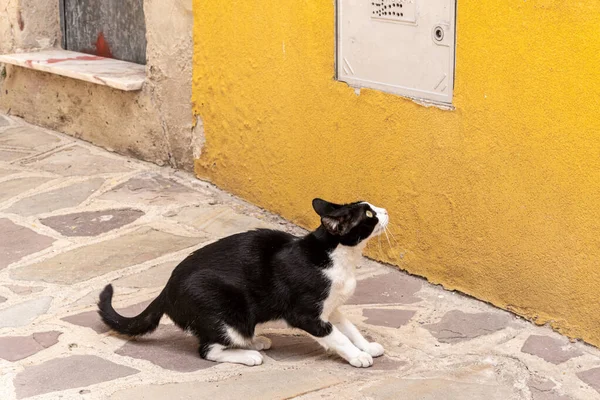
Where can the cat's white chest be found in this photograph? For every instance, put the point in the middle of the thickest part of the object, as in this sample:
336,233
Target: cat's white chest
342,277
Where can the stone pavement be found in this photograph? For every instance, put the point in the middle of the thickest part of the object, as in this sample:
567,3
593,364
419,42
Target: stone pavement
74,217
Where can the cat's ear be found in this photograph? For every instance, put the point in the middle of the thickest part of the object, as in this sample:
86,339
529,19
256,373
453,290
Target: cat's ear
336,225
323,207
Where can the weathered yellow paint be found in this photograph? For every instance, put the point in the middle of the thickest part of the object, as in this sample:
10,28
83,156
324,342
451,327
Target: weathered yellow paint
499,198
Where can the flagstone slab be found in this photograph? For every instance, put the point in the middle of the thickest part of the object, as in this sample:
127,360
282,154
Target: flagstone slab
91,319
67,373
293,348
7,172
17,241
28,138
65,197
388,318
14,187
14,348
77,161
550,349
24,290
12,155
591,377
92,223
23,314
100,258
436,389
219,221
169,348
273,385
391,288
151,189
156,276
457,326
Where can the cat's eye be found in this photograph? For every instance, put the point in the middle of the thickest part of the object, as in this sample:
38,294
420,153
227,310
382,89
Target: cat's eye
369,214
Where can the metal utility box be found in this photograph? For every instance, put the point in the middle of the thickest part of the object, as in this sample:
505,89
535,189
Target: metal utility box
405,47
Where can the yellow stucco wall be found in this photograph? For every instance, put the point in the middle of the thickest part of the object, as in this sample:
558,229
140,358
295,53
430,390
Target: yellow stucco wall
499,198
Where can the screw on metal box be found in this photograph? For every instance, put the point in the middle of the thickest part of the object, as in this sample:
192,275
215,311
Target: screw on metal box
438,33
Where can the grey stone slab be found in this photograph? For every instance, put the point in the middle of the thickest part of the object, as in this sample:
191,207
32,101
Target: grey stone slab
591,377
169,348
12,155
67,373
383,363
219,221
2,299
394,287
151,189
550,349
273,385
547,395
437,389
24,313
14,187
27,138
157,276
14,348
100,258
542,389
388,318
91,319
16,242
293,347
23,290
541,384
4,121
457,326
77,161
92,223
7,172
274,325
88,319
66,197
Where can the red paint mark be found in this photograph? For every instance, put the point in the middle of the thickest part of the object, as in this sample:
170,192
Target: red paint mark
79,58
102,48
29,63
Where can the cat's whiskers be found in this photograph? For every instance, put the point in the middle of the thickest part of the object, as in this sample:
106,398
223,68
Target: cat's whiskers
379,242
397,244
393,236
387,237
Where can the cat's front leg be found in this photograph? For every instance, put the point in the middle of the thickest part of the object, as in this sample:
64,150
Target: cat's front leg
330,337
352,332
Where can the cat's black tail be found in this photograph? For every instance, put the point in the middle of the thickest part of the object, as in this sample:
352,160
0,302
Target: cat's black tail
145,322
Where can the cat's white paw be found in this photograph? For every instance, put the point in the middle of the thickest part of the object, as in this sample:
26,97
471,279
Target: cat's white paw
251,358
363,360
261,343
374,349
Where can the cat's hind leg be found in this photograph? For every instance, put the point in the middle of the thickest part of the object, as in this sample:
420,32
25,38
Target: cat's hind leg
260,343
220,353
231,346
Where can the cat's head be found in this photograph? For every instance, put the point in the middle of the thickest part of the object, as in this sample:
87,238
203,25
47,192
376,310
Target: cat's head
353,223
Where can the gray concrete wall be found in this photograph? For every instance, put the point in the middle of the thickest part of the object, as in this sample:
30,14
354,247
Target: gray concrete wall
154,124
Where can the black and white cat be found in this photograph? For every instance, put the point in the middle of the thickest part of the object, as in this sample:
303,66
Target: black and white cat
222,291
